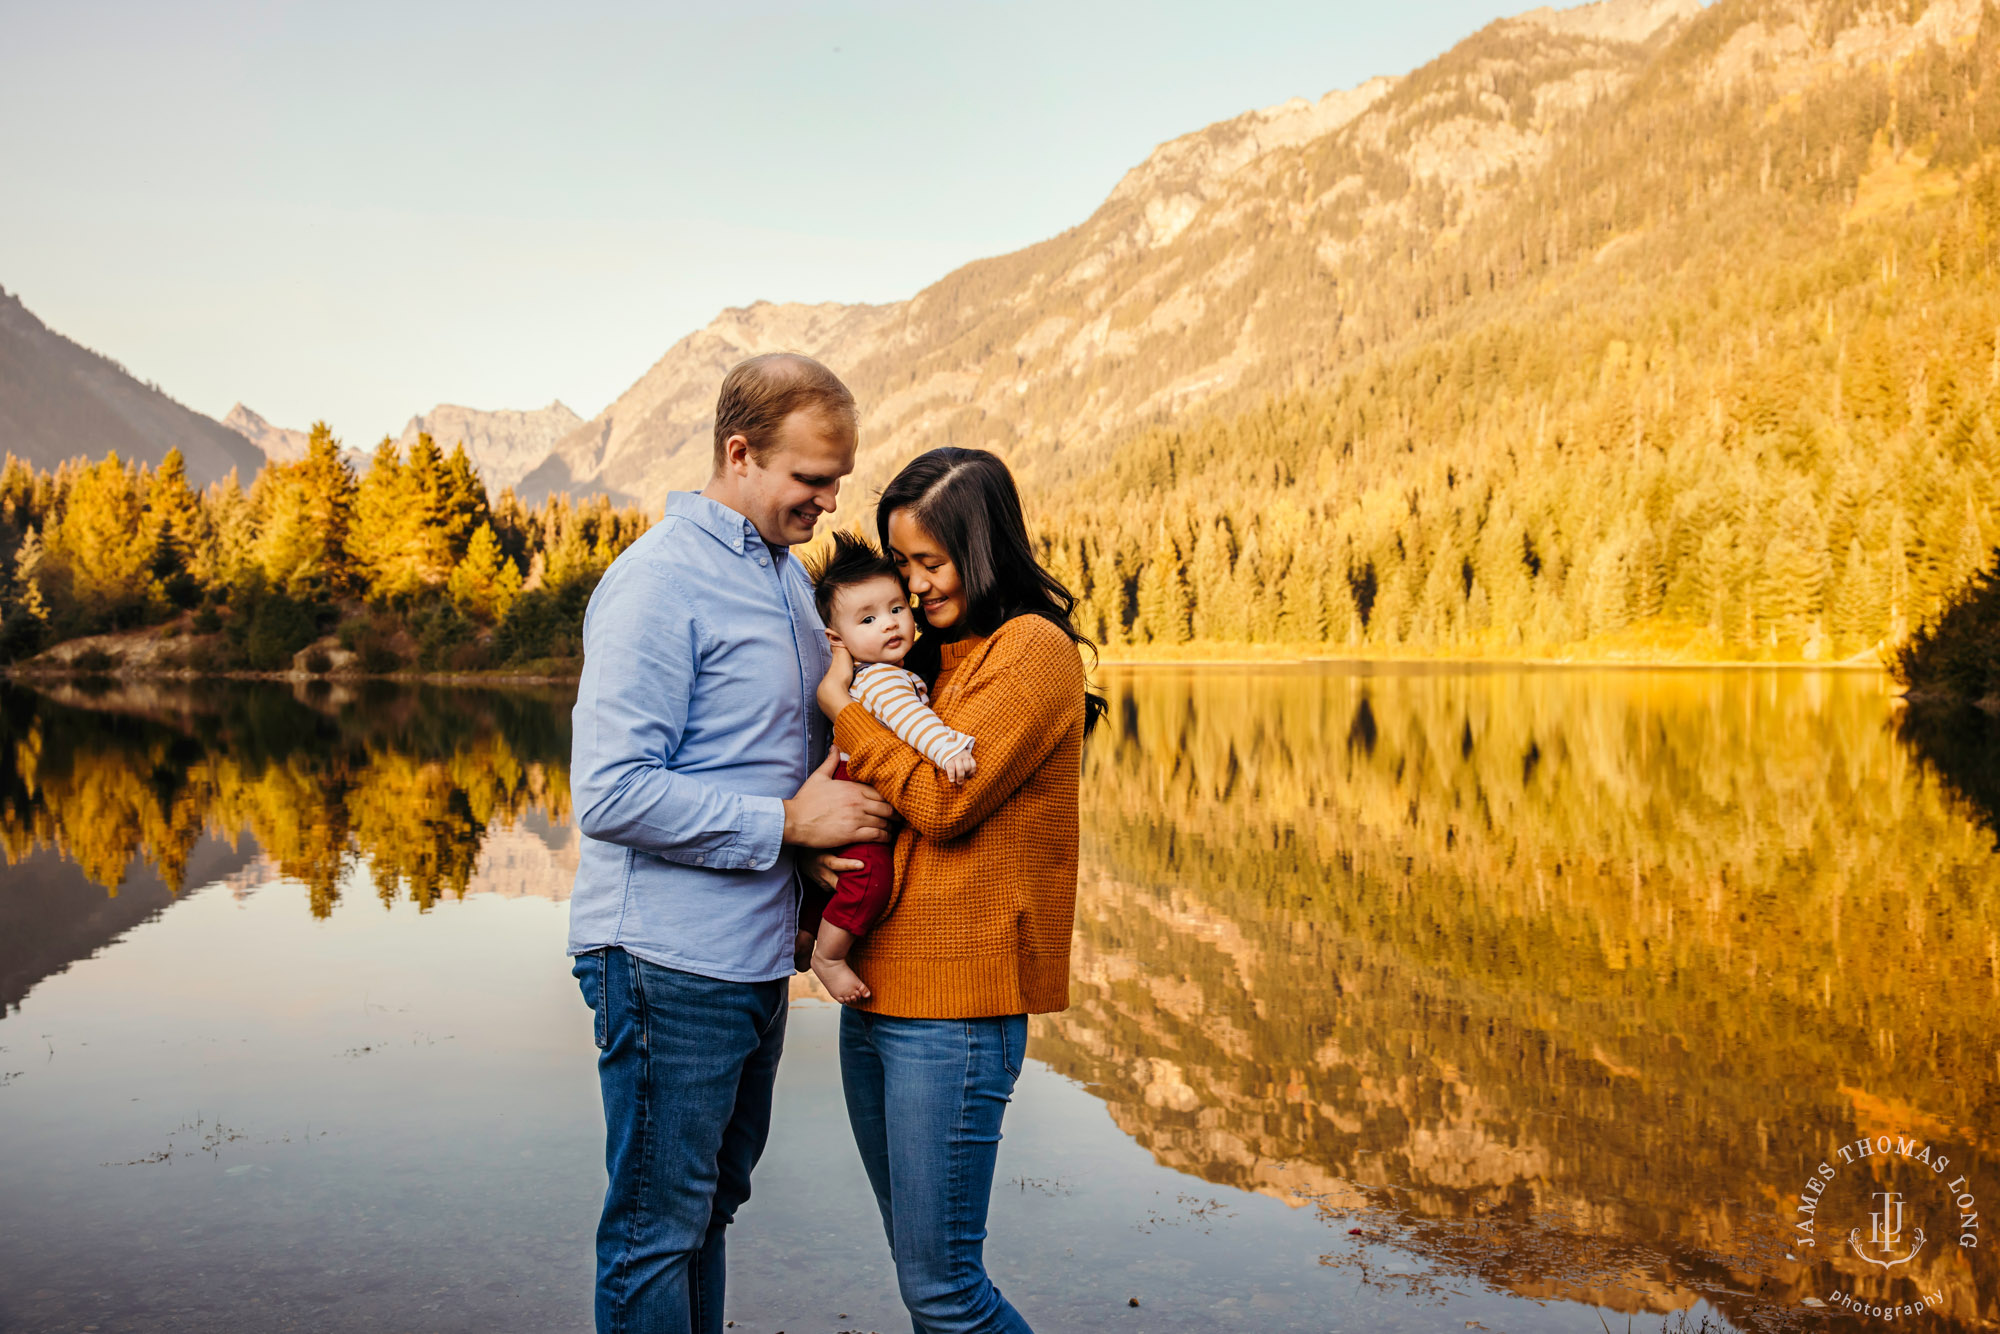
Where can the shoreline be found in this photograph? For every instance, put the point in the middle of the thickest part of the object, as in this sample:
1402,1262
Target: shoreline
1121,662
1631,664
17,673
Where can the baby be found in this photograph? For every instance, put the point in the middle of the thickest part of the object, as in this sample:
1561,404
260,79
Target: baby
867,612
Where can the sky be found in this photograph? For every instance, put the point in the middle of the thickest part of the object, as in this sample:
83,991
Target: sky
355,211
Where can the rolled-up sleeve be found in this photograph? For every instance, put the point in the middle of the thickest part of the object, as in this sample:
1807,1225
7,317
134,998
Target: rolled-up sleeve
642,643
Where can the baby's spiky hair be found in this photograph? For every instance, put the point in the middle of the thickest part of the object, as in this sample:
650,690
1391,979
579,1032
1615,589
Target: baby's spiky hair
853,560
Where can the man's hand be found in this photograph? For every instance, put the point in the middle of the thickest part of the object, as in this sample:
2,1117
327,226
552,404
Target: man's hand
833,687
830,813
960,767
825,869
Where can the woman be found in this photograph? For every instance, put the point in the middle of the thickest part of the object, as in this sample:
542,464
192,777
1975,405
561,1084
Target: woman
977,935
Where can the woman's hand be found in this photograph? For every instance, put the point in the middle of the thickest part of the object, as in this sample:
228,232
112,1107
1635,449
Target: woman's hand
825,868
833,687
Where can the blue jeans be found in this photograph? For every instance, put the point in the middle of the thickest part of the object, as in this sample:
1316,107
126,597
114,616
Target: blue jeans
686,1065
925,1098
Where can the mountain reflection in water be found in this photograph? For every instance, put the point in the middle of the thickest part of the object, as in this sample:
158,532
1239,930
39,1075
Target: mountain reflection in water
1569,977
1563,980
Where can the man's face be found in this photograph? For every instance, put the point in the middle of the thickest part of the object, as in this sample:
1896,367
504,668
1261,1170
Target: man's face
785,495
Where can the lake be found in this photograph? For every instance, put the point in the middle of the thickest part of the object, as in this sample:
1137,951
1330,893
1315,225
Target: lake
1403,999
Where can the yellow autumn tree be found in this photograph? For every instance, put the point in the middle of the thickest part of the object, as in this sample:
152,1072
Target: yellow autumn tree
304,511
484,584
100,553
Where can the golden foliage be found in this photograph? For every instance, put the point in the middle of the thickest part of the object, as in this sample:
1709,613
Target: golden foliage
1483,950
397,780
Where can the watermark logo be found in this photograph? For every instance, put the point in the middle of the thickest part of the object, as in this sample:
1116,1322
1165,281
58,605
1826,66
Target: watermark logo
1899,1193
1885,1232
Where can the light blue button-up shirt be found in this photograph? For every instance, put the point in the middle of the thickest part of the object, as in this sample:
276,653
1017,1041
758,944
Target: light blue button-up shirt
695,719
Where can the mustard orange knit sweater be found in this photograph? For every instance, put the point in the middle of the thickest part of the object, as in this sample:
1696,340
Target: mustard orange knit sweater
980,918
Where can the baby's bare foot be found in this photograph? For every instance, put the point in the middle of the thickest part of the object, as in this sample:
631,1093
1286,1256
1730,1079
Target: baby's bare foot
802,948
841,982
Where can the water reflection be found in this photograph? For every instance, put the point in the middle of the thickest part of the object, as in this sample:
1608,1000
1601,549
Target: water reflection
405,781
1963,746
1570,978
1558,981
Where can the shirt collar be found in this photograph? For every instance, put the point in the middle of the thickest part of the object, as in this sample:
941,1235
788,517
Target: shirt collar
719,521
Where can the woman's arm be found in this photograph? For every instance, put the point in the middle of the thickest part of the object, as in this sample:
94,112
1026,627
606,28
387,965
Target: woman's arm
1020,704
891,698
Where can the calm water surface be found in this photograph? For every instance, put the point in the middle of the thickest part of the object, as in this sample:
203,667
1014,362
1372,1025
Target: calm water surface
1403,1000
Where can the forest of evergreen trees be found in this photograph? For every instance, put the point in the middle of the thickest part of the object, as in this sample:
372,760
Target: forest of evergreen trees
1718,382
409,562
1723,384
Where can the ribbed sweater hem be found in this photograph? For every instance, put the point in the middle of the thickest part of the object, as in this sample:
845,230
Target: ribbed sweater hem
965,988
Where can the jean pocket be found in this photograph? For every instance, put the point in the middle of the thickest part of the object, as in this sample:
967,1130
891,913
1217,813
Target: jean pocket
1014,1043
589,971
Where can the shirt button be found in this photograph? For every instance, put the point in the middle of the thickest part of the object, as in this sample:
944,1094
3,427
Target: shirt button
761,561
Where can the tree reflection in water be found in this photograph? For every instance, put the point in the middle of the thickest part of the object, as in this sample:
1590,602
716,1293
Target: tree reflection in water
1563,979
1963,745
404,780
1567,978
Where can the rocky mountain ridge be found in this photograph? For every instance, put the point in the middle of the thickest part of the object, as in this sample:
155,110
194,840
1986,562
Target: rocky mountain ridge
280,444
1227,265
657,436
60,401
505,444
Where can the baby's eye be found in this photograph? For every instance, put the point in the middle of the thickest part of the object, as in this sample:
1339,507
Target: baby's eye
866,619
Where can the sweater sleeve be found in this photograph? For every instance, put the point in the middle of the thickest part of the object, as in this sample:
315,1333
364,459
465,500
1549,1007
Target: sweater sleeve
1020,703
892,696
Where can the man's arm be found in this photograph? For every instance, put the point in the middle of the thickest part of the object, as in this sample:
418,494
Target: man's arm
641,657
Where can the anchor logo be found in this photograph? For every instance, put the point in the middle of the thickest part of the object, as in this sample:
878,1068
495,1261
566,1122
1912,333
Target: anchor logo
1885,1231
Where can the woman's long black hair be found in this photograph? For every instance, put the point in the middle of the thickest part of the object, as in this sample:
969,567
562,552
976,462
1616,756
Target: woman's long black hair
966,499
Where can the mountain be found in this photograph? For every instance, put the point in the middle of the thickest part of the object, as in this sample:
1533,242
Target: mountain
60,401
505,444
278,444
1203,279
1685,351
1642,329
658,436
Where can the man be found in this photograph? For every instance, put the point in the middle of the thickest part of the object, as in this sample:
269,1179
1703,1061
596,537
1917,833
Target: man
695,774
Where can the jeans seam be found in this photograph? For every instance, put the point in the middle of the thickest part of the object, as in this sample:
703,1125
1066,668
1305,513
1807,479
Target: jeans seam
697,1290
957,1214
644,1118
603,1000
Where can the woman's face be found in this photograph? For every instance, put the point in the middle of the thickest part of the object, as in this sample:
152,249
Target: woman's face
927,571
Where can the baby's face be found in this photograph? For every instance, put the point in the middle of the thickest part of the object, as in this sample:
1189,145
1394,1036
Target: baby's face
873,620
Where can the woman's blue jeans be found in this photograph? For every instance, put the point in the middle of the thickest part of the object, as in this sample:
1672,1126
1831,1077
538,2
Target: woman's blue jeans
925,1098
686,1065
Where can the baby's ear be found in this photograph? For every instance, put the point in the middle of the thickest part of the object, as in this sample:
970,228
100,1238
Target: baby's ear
833,639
